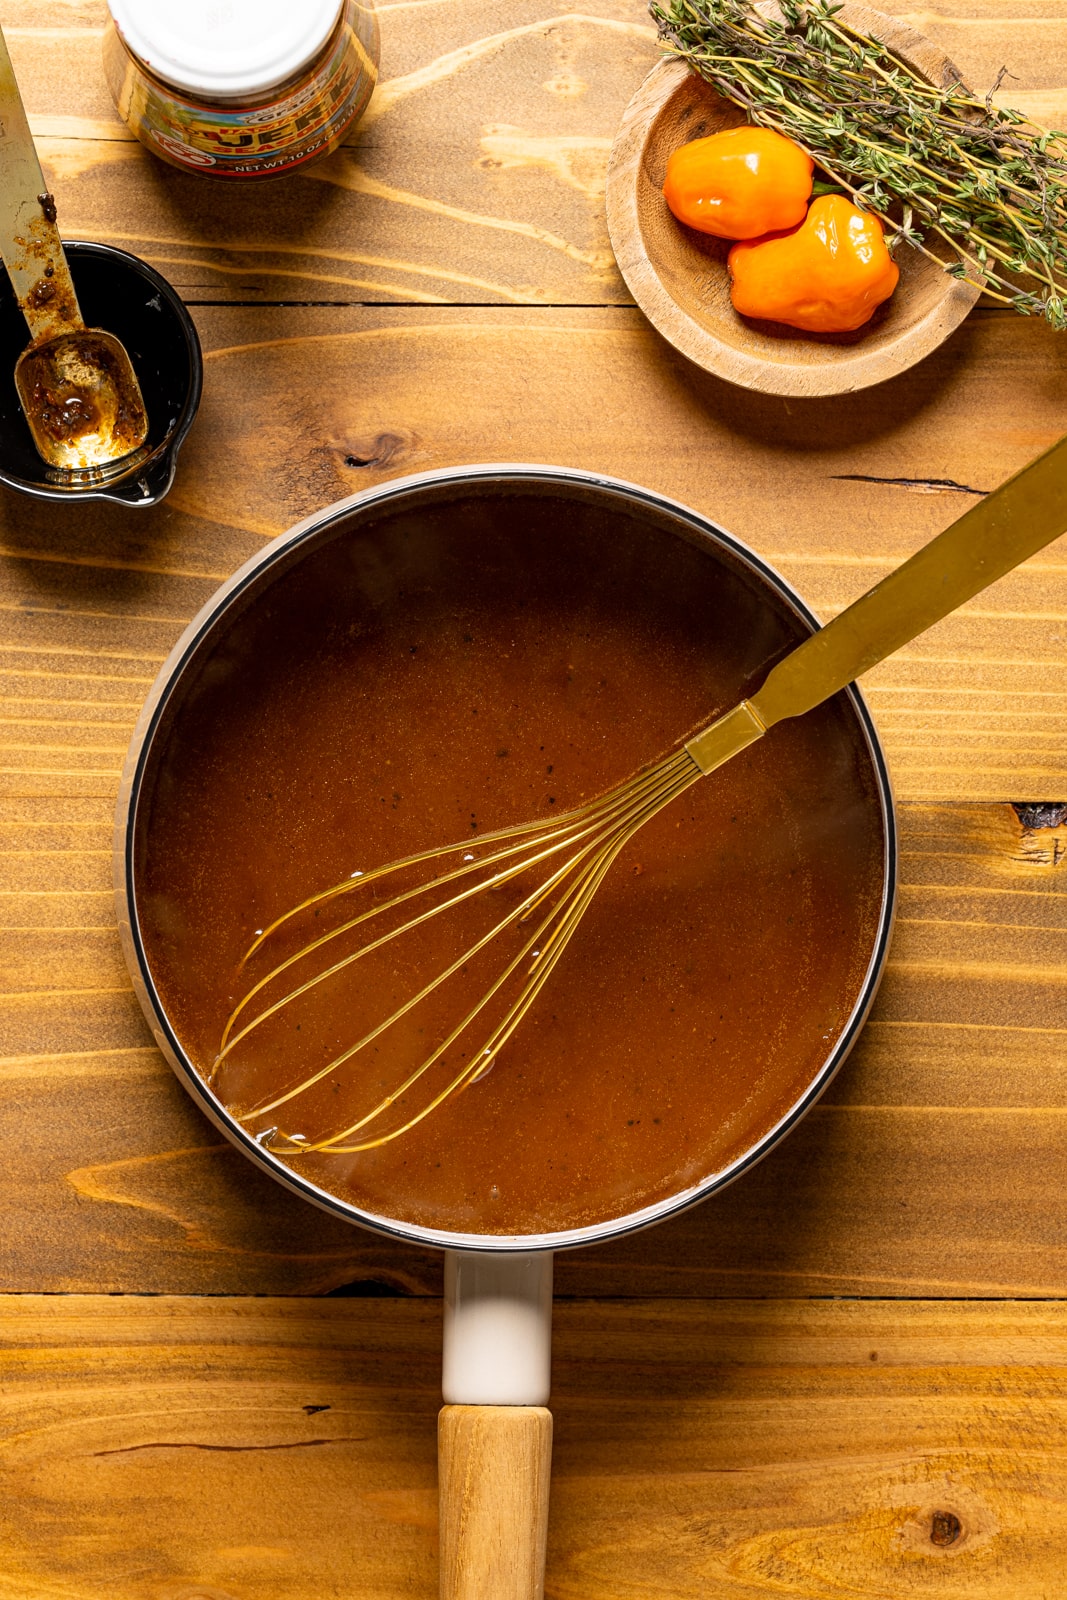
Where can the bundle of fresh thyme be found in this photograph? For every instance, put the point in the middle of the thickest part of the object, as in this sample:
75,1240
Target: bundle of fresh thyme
931,162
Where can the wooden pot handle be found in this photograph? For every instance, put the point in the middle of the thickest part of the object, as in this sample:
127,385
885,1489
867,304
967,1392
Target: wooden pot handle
494,1464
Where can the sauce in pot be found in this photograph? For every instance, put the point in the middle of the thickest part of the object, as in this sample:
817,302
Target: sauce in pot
432,677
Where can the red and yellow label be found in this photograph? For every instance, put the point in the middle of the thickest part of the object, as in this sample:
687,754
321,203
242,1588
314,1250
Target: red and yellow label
308,117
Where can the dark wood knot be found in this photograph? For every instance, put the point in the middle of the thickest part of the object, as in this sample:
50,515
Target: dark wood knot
383,450
1034,814
945,1528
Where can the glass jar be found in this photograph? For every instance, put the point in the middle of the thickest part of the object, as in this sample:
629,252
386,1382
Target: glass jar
241,88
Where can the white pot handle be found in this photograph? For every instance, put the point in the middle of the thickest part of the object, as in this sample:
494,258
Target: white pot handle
494,1438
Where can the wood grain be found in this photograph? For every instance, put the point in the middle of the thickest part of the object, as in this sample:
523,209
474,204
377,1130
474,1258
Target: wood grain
935,1165
477,174
494,1465
234,1450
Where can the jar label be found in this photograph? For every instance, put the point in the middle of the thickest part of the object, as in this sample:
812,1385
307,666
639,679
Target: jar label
307,120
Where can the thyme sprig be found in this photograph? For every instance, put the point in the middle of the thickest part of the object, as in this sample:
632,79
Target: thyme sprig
932,162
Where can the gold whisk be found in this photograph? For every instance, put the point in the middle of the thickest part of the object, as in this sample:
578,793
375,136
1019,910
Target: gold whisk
571,854
575,853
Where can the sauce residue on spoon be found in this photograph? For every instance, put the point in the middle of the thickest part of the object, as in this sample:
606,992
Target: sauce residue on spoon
81,399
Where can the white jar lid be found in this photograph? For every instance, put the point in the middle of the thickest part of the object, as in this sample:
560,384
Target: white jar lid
225,47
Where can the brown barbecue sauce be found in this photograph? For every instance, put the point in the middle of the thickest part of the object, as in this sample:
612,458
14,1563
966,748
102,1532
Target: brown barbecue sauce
433,677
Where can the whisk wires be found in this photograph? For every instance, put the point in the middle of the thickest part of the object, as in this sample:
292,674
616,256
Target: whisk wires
588,838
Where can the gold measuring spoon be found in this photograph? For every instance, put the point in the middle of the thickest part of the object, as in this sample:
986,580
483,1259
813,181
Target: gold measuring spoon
77,387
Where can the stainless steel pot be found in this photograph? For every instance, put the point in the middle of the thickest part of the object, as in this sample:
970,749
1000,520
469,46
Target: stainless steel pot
495,1433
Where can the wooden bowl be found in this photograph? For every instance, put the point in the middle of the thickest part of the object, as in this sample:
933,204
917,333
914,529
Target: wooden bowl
679,277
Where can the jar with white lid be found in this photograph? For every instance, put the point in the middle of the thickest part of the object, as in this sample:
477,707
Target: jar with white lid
241,88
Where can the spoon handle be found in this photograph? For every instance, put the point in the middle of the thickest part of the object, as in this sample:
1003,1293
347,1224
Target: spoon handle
1016,520
29,239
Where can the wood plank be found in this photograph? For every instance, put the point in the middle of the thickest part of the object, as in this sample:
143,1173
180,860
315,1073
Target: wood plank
476,176
936,1164
833,492
241,1448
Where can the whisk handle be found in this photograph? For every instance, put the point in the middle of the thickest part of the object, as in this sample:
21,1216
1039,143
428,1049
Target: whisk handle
494,1464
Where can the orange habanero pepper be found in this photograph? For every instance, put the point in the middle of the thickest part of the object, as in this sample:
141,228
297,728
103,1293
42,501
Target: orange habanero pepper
827,276
740,183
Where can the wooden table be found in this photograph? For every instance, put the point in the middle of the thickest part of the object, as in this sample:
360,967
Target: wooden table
845,1376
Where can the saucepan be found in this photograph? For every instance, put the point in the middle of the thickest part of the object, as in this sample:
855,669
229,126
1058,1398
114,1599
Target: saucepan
455,651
